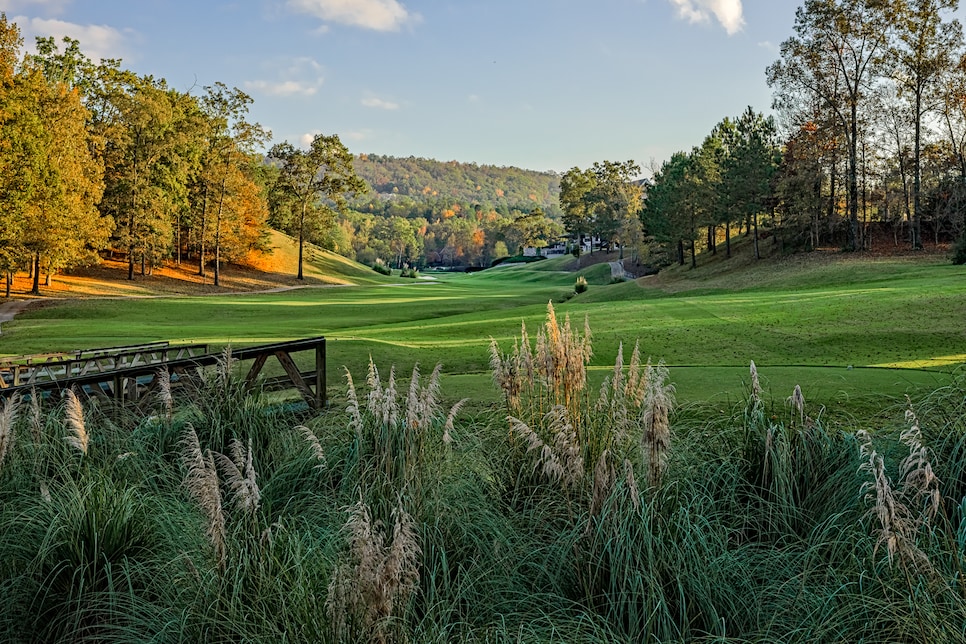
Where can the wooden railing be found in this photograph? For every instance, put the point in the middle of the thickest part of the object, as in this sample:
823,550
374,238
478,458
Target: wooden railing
128,373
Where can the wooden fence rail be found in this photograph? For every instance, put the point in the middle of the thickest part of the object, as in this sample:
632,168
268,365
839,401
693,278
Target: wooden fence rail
128,373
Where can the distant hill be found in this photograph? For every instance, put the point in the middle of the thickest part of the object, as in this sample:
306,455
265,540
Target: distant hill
431,181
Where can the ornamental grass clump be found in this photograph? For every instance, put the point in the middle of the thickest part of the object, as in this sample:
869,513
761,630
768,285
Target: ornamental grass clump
793,469
577,441
239,474
376,577
397,436
395,467
901,514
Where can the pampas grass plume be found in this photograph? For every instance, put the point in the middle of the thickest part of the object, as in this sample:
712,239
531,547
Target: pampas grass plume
241,477
74,412
314,444
202,483
164,392
8,416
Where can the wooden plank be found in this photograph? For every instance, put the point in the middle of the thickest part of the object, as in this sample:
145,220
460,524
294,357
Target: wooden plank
296,377
255,370
320,385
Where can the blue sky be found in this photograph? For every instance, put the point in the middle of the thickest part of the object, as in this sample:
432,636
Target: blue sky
540,84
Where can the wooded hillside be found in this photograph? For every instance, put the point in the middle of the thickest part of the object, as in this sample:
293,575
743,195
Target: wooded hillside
430,181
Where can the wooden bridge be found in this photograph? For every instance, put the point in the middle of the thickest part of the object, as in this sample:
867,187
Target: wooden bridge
127,373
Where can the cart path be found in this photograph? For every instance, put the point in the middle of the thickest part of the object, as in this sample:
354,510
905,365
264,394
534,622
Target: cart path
9,309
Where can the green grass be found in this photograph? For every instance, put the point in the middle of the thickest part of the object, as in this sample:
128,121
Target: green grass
758,528
801,321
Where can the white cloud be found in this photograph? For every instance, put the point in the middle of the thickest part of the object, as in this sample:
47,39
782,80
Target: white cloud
727,12
96,41
296,77
380,15
307,138
380,104
354,135
284,88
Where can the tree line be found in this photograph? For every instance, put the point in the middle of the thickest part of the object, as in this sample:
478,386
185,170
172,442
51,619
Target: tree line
869,139
97,159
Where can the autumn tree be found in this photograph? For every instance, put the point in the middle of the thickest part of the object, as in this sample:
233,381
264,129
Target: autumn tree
52,178
231,139
834,57
922,55
311,186
150,156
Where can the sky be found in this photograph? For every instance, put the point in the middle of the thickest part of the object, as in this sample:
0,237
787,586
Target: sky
537,84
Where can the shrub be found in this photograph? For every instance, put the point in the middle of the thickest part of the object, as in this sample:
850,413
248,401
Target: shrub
581,285
959,250
409,272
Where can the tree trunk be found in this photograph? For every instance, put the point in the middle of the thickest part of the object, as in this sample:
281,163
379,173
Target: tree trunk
204,225
917,177
36,270
728,240
9,282
831,190
301,240
754,220
853,239
221,203
680,252
694,258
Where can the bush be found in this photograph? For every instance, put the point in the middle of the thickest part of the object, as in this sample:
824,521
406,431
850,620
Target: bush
380,267
409,272
581,285
959,250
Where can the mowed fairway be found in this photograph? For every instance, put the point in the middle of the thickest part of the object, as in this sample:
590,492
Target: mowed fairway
821,326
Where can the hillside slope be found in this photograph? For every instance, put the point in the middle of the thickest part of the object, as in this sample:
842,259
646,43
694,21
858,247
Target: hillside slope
259,273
